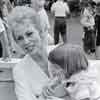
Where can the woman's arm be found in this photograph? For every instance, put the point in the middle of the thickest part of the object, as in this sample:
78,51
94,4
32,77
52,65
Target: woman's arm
22,86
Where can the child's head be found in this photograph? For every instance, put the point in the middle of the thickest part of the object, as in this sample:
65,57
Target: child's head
75,60
70,57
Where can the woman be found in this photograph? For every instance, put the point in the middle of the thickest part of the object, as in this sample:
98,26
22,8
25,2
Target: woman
31,74
81,80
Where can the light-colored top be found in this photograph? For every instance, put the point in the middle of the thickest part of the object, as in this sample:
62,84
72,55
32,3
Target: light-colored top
60,9
87,19
86,84
29,79
2,28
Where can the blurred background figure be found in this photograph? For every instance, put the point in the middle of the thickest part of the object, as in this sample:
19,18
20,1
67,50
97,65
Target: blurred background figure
38,6
60,10
5,9
88,23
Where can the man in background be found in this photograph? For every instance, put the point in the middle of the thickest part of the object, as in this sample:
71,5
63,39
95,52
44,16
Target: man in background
60,9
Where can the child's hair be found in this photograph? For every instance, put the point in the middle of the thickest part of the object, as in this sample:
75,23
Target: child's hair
72,59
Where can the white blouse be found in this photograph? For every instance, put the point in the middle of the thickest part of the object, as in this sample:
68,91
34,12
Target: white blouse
86,84
29,79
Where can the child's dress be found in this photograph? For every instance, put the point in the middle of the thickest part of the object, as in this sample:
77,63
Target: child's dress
85,85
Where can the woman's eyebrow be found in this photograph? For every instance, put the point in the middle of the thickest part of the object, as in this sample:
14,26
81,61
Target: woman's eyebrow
28,32
19,37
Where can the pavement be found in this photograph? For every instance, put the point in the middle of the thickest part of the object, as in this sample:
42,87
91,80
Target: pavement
74,29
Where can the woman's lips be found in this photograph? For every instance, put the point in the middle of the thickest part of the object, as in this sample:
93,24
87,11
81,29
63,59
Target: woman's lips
29,48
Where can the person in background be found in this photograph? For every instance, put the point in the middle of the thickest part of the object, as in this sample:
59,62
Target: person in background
60,10
22,2
31,74
81,79
2,29
88,23
97,19
38,6
5,8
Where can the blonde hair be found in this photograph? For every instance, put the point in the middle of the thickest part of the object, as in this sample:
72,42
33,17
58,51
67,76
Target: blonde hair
19,15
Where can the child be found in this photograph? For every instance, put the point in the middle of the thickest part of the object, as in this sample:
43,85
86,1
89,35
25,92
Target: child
88,23
81,79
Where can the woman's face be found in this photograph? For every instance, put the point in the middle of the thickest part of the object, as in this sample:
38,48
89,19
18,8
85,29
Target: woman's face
27,37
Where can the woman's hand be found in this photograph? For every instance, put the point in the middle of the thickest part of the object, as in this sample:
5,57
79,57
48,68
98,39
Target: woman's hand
47,92
49,89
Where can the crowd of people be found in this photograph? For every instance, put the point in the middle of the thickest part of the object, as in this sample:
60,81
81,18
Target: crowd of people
62,74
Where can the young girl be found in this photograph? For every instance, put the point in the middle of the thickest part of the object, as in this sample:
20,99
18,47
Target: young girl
81,79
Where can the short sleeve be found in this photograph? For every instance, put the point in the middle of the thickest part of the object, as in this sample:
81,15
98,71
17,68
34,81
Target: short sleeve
2,28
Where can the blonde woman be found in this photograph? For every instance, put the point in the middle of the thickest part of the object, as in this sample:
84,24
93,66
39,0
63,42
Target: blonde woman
31,75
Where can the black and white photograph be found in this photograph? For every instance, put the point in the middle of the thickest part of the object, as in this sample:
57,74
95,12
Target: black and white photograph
49,50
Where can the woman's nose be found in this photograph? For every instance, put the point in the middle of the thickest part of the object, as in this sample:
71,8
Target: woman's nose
26,40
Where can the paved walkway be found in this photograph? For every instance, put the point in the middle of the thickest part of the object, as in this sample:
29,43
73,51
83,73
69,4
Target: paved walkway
74,31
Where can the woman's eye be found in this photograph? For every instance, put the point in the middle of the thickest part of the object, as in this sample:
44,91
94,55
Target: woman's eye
29,34
20,38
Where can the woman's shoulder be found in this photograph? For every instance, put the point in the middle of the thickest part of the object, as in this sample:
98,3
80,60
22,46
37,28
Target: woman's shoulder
19,66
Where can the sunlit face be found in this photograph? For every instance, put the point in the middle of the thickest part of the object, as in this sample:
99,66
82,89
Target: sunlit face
27,37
